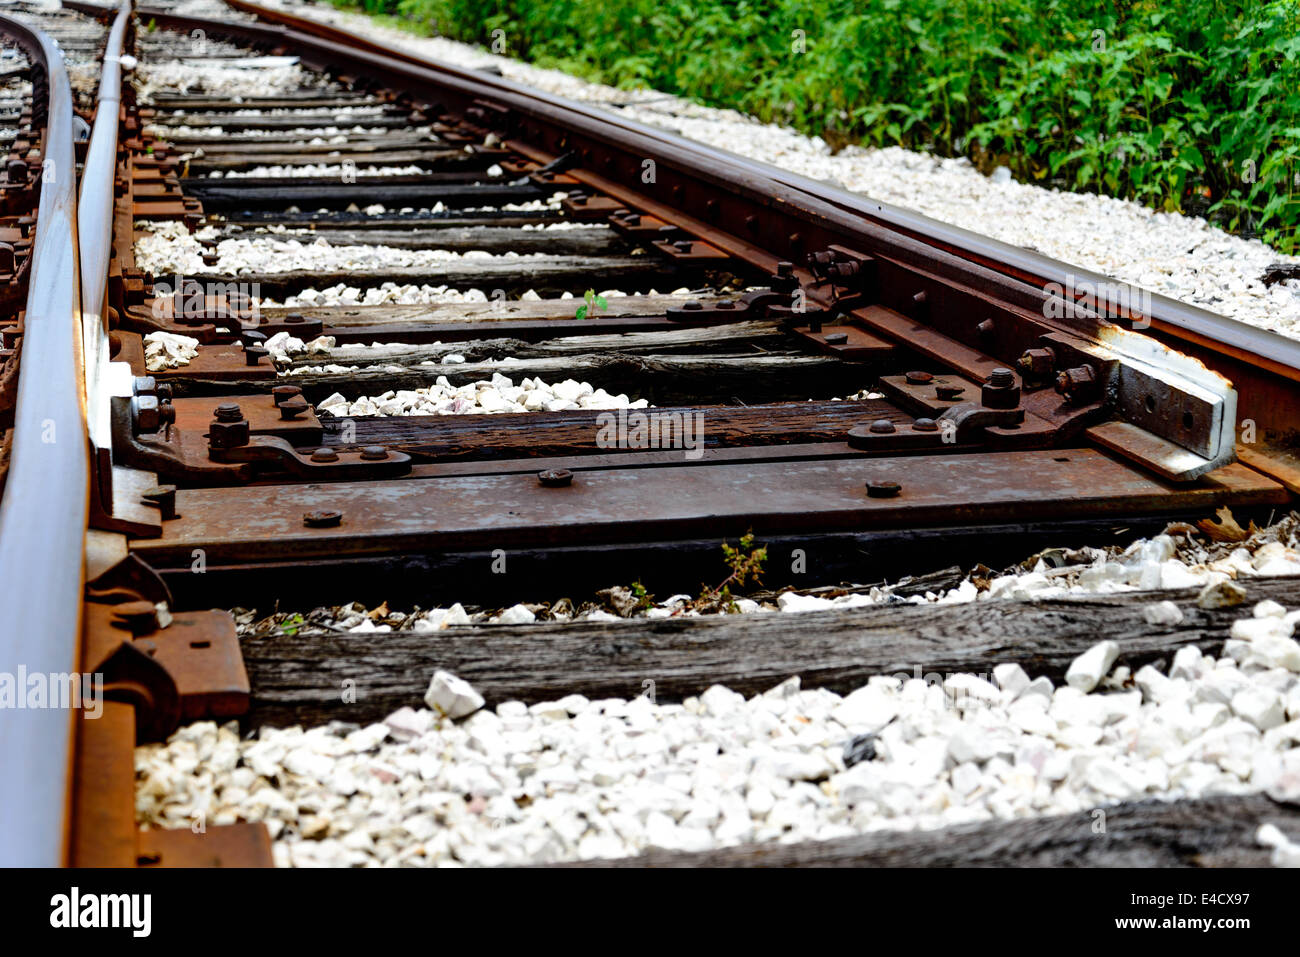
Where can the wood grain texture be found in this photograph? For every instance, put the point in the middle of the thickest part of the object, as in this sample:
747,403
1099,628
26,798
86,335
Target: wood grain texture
662,379
449,438
760,336
549,275
297,678
1209,832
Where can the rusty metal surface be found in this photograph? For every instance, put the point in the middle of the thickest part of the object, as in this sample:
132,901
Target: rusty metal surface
46,497
644,504
102,832
228,845
198,649
263,415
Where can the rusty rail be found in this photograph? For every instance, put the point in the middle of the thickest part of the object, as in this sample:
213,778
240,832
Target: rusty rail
43,513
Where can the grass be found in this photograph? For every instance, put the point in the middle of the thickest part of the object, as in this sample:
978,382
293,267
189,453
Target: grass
1183,105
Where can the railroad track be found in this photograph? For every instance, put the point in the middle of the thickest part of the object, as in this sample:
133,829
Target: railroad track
287,287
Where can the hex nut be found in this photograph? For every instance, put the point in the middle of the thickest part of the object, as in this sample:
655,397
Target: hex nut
227,435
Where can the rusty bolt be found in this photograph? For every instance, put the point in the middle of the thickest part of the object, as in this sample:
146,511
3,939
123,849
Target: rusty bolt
144,385
1001,391
725,304
164,498
835,338
293,407
918,378
227,412
374,453
166,411
883,427
16,171
878,489
986,328
323,519
282,393
164,391
293,318
948,392
925,425
784,268
139,617
211,257
1078,384
253,353
692,305
147,418
1037,364
227,435
325,454
555,478
7,262
683,245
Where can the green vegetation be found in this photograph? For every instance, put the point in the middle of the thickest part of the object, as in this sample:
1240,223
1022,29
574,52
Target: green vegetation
745,562
1189,105
590,303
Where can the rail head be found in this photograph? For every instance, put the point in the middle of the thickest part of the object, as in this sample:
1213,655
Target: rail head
44,508
95,241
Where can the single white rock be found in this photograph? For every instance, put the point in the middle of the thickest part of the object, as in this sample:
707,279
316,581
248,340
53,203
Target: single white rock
451,696
1087,670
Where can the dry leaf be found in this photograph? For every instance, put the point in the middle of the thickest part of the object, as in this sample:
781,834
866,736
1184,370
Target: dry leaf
1226,528
380,612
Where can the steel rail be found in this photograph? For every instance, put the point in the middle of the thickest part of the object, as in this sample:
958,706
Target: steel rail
1277,353
44,510
95,239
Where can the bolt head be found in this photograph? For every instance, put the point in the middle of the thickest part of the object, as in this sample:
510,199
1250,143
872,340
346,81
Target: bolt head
325,455
919,378
883,427
322,519
555,478
882,489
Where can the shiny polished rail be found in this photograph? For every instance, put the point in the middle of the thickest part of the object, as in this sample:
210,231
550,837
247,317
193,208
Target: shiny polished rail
44,510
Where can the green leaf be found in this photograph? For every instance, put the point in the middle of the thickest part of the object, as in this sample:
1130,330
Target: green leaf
581,313
601,303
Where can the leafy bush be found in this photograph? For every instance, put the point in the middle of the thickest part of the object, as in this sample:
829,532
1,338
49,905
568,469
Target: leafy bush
1182,104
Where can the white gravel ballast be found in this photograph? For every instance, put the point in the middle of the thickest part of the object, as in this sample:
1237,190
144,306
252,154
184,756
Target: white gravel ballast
456,784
